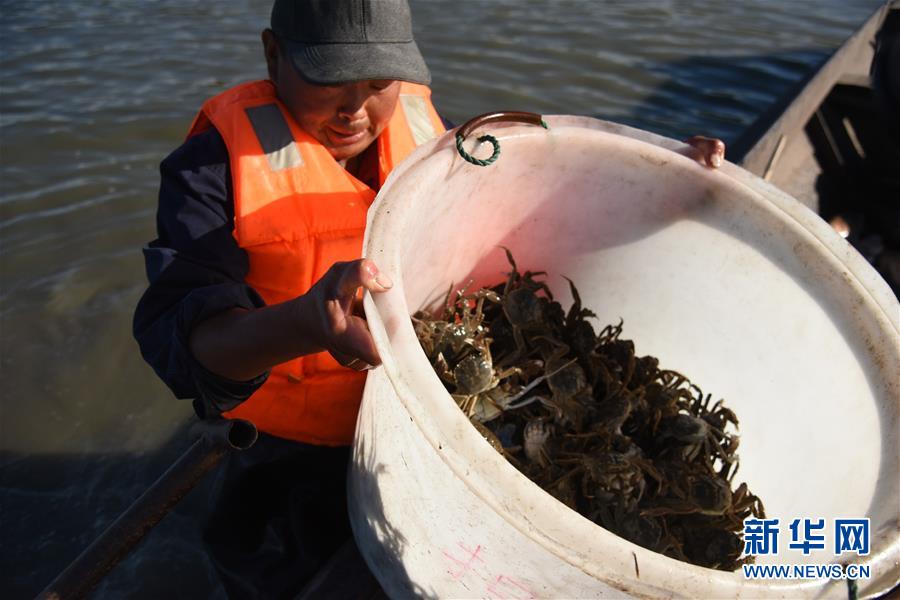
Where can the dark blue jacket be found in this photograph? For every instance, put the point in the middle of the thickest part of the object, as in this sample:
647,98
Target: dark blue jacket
196,270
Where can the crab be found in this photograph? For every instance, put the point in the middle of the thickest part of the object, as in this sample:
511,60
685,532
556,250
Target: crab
719,416
526,311
494,442
612,476
535,436
642,530
672,396
459,349
695,436
687,491
458,329
714,547
744,504
570,392
579,332
619,359
477,384
437,337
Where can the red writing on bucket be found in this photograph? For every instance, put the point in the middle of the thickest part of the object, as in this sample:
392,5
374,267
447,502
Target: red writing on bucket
463,561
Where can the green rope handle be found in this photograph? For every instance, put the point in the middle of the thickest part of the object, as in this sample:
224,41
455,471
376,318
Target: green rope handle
472,124
477,161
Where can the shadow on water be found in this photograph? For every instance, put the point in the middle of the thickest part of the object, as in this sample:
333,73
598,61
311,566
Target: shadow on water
59,522
721,96
169,563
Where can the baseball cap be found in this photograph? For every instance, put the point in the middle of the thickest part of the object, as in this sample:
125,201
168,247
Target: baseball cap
341,41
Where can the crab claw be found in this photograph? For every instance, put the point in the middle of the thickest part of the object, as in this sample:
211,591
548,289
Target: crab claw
536,434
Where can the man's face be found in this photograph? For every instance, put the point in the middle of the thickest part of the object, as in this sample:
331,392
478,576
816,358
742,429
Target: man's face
345,118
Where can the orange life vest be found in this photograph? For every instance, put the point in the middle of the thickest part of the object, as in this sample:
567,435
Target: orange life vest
297,212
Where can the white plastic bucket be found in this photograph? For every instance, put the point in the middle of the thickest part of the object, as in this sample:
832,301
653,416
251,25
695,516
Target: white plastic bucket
718,274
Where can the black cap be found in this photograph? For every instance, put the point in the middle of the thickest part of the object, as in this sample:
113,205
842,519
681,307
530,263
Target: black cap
341,41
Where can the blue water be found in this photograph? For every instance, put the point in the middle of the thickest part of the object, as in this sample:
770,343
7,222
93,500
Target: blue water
94,94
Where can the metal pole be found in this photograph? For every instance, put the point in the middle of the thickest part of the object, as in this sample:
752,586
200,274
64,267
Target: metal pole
216,438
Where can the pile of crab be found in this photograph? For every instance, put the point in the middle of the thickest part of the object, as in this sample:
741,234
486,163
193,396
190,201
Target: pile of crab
639,450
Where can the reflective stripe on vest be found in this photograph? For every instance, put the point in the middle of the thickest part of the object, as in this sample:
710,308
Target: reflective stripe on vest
274,136
416,111
297,212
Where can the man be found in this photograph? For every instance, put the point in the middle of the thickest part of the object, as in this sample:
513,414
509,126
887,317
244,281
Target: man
253,279
251,308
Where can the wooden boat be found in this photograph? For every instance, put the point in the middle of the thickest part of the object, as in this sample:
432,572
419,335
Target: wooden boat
834,142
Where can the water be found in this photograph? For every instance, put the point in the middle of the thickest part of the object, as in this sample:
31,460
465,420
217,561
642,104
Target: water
93,95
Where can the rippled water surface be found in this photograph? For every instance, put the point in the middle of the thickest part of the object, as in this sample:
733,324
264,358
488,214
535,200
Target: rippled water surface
94,94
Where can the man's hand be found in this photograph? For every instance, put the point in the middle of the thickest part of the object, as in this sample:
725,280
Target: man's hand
240,344
709,152
332,312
